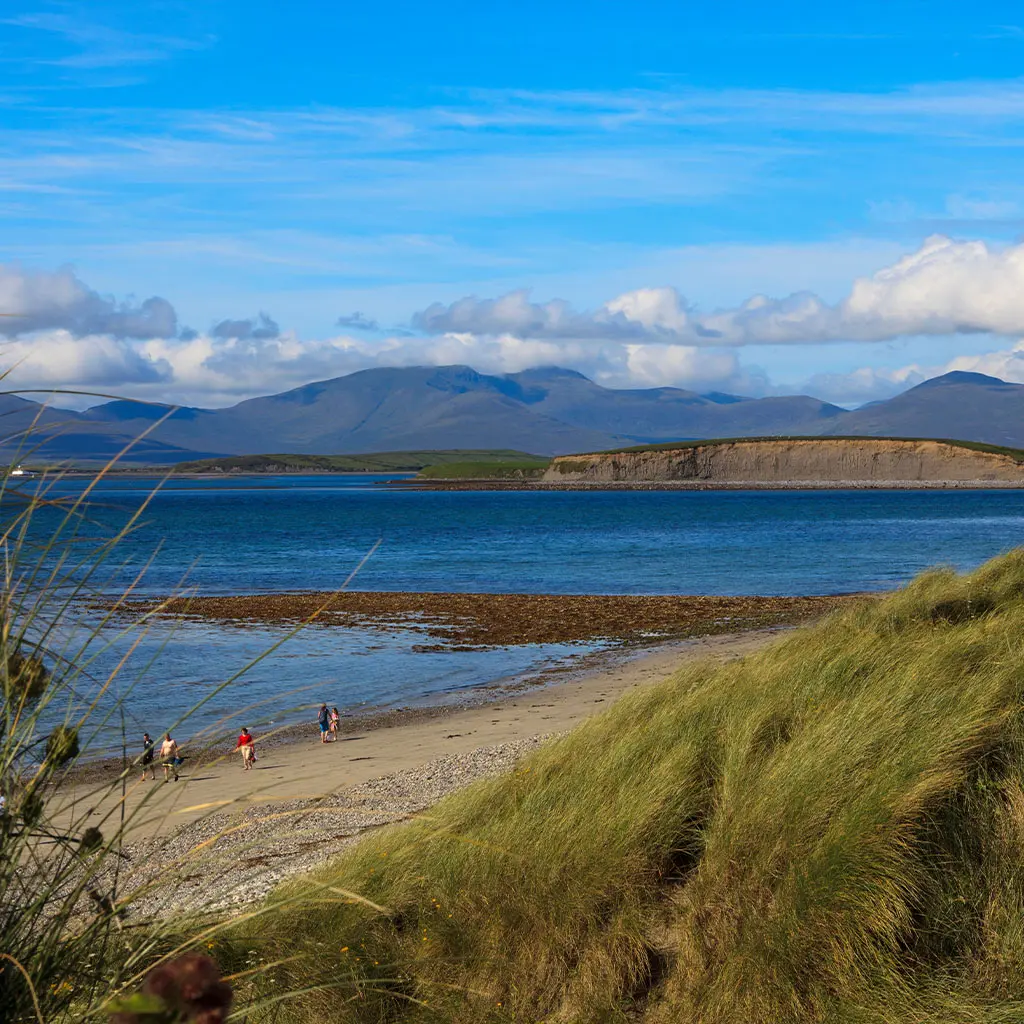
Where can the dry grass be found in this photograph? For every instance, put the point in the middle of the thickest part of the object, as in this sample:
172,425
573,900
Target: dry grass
831,830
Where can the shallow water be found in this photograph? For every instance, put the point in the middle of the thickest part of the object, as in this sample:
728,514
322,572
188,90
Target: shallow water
255,534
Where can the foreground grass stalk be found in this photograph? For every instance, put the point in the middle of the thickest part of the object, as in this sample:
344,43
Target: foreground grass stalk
74,944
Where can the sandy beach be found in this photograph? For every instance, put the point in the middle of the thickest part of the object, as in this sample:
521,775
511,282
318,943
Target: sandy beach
223,835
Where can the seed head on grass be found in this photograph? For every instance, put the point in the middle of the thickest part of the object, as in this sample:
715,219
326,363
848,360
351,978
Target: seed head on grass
186,990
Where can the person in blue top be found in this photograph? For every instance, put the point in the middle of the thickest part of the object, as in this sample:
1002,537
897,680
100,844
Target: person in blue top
324,720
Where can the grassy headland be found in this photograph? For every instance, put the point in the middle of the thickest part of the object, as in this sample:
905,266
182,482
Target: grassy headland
1017,454
829,831
372,462
529,468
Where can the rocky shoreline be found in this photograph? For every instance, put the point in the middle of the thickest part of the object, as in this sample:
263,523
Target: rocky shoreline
703,485
457,621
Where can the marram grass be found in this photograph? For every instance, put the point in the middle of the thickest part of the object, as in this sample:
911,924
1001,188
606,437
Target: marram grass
831,830
75,942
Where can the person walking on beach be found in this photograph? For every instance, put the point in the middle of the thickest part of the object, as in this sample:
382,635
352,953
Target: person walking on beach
247,745
324,721
169,759
148,754
335,719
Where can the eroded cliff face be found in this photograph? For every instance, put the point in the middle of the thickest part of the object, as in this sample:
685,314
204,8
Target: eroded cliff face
824,460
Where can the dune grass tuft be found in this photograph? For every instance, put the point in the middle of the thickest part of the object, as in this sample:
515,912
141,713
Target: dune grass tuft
830,830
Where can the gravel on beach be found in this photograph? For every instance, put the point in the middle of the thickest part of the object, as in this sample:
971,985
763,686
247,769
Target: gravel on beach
226,861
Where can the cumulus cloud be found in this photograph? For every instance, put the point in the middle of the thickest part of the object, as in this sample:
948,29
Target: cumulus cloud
72,336
946,287
1007,364
261,328
212,371
59,359
357,322
865,384
516,315
868,384
42,300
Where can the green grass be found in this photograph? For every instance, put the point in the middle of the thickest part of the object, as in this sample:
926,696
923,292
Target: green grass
75,941
1017,454
488,469
829,831
374,462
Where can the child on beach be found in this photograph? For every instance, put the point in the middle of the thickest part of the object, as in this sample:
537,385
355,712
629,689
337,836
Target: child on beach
247,745
323,719
335,718
169,759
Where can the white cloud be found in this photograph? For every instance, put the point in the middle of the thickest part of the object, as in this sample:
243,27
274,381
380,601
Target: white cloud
1007,364
206,369
867,384
59,359
686,366
945,287
38,300
647,337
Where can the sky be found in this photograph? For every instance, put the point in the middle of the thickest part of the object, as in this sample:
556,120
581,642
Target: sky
200,203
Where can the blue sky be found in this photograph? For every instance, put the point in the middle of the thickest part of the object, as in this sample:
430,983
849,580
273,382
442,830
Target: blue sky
632,176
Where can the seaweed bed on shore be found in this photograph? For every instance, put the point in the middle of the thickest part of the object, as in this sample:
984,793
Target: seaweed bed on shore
457,621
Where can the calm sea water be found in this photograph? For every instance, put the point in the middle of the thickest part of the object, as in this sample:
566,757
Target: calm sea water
308,533
248,535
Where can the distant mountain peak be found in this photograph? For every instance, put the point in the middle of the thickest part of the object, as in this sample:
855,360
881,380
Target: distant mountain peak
964,377
123,409
541,373
723,398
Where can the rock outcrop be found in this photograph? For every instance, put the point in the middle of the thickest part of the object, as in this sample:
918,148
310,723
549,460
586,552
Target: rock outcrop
787,460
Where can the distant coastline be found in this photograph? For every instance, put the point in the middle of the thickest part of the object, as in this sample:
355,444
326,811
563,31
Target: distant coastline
703,485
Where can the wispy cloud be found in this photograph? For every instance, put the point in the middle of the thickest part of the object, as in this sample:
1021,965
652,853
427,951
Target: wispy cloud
96,46
485,191
506,154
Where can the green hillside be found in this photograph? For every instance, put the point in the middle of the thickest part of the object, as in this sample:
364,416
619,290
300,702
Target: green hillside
829,831
373,462
528,468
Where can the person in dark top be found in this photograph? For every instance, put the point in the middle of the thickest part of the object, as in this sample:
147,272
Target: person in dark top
324,721
148,754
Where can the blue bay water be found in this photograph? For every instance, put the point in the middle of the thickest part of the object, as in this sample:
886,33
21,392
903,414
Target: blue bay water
249,535
254,534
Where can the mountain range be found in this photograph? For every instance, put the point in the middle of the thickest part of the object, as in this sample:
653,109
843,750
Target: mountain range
548,411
